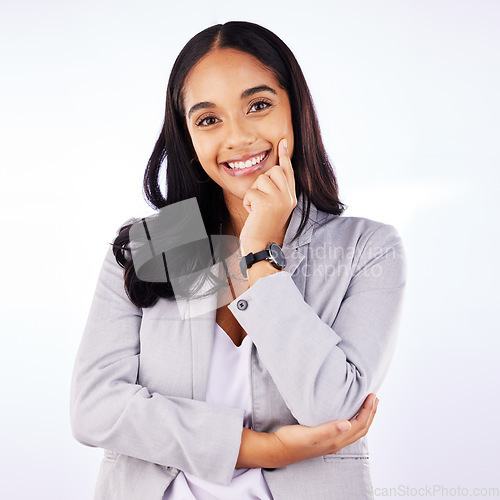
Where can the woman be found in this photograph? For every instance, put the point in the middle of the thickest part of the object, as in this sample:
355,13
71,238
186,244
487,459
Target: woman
244,396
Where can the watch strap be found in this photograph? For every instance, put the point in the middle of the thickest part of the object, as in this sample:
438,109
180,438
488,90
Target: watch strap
249,260
252,258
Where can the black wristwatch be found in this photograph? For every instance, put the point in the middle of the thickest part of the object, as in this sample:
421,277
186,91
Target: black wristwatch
273,253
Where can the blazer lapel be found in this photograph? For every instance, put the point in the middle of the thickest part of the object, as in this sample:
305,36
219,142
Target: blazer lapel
296,251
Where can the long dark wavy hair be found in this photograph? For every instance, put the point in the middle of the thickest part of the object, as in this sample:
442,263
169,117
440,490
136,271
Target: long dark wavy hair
185,177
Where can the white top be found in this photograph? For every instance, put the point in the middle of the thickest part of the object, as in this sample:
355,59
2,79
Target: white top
228,385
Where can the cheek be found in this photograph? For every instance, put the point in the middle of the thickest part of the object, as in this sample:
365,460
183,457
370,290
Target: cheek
201,147
288,123
282,124
277,129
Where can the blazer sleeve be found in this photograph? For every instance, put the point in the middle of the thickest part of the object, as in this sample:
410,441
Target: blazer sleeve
109,409
325,371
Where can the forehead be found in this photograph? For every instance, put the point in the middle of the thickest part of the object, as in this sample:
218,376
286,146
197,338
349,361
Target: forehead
225,73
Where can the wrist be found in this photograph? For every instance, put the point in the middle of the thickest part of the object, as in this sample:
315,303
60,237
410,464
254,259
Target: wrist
276,456
257,264
257,449
260,269
252,246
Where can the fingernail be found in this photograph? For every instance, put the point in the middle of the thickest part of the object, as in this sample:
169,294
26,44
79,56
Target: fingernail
285,144
344,426
376,403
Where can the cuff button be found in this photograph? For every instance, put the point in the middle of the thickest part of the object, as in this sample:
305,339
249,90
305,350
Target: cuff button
242,305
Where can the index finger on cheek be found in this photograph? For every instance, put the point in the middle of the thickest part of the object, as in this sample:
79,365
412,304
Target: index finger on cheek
285,162
283,153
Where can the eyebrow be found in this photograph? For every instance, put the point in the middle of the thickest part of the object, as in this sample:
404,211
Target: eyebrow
244,95
256,90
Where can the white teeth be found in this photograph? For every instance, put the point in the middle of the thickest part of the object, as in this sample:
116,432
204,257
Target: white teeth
240,164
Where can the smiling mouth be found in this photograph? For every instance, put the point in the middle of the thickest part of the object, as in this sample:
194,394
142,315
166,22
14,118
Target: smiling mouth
254,160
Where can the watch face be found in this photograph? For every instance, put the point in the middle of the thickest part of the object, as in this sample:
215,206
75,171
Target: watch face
277,254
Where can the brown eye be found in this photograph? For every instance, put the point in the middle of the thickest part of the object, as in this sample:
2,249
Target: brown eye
259,106
207,121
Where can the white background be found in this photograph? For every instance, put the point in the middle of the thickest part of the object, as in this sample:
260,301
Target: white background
407,96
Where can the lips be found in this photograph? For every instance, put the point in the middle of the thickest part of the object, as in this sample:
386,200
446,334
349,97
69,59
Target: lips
246,164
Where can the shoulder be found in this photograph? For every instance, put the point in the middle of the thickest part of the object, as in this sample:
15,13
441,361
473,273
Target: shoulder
120,245
357,243
353,231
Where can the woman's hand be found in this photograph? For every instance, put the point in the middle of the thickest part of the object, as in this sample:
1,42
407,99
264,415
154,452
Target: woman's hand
294,443
269,202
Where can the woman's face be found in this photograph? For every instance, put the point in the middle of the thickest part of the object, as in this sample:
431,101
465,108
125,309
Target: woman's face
236,114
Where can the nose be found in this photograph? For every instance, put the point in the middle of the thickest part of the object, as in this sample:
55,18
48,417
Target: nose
239,133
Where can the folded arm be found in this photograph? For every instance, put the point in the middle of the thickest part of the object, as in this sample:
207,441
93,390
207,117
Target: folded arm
325,371
110,410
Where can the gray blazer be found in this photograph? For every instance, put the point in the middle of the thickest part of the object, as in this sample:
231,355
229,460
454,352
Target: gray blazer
323,333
